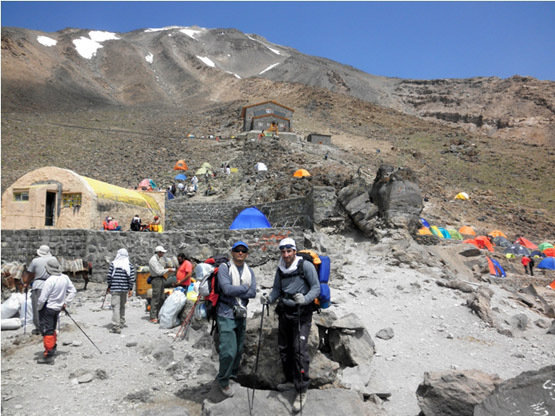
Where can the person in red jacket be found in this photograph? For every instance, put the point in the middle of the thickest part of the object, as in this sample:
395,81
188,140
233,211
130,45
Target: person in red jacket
184,272
525,262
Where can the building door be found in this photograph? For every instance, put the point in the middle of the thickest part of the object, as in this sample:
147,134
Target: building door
50,205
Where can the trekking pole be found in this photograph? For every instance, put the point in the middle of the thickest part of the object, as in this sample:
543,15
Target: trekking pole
67,313
251,399
300,355
26,298
104,300
184,328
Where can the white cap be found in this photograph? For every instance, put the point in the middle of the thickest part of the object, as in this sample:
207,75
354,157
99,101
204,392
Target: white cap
287,243
160,249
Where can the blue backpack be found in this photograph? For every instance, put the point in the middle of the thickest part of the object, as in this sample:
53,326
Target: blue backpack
322,265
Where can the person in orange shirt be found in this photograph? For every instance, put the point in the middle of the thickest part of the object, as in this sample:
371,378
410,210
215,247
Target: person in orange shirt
184,272
111,224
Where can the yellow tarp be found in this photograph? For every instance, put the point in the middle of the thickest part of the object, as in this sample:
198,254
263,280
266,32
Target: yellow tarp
128,196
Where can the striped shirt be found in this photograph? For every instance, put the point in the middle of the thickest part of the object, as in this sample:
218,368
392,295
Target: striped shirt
120,282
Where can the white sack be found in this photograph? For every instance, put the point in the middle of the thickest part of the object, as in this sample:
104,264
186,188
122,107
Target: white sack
171,308
12,323
11,306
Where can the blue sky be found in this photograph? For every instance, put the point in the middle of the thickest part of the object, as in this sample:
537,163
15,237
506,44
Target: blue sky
419,40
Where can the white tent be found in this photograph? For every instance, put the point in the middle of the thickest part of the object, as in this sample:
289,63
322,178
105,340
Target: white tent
259,167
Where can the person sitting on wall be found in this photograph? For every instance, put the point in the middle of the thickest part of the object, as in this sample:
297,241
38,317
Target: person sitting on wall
111,225
155,224
273,129
136,223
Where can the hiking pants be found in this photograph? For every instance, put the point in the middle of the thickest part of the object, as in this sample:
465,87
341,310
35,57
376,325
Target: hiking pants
48,321
232,336
157,296
35,295
293,346
119,299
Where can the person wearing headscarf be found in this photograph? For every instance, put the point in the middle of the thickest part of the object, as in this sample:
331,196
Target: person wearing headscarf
35,276
120,279
57,293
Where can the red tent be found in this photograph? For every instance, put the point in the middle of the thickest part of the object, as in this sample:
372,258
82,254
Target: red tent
549,252
483,242
526,243
471,241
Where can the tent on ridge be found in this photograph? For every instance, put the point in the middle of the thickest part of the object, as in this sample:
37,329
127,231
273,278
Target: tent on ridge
424,223
495,268
501,242
444,232
518,250
455,235
148,184
526,243
301,173
466,230
543,246
547,263
250,218
497,233
549,252
424,231
259,167
462,195
180,165
483,242
435,231
181,177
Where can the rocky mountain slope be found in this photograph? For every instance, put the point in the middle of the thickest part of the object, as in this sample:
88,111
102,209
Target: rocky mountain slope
76,67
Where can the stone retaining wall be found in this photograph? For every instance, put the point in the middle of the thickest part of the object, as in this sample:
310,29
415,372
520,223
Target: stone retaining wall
184,215
94,246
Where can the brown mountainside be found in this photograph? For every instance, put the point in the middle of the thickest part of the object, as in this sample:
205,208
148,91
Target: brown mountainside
119,118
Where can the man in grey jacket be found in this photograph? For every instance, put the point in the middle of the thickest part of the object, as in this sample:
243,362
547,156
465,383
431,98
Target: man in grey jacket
157,267
36,275
296,285
237,285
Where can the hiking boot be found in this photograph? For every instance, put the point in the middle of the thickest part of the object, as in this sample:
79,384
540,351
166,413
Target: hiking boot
300,402
35,332
286,386
226,391
154,321
116,330
46,359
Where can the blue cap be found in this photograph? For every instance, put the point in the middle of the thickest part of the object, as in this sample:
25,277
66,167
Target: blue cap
240,243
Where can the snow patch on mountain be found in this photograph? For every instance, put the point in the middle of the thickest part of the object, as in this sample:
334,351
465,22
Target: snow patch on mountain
87,47
270,67
46,41
207,61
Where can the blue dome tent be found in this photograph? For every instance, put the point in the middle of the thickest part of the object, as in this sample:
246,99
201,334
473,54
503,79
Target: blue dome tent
547,263
181,177
250,218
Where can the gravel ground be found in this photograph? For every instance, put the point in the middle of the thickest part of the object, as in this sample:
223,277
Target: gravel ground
433,331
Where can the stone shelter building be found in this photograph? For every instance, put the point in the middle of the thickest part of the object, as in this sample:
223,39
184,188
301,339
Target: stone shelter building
56,198
260,116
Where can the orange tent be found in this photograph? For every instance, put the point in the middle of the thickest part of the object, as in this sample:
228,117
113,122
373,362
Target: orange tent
426,231
301,173
467,230
549,252
526,243
483,242
180,165
497,233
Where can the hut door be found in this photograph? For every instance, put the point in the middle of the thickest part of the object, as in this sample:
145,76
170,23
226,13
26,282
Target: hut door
50,205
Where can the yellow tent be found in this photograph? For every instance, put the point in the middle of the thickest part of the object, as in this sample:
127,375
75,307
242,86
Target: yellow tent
301,173
435,231
467,230
462,195
424,231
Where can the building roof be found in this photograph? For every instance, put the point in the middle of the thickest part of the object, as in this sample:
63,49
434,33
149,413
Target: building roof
244,109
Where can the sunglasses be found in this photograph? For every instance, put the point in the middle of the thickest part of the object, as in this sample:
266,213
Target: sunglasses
287,247
240,250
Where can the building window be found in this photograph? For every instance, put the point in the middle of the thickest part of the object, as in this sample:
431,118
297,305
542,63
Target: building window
21,196
71,200
269,111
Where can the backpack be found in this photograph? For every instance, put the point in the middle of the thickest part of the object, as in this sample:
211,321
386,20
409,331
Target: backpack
207,274
322,266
